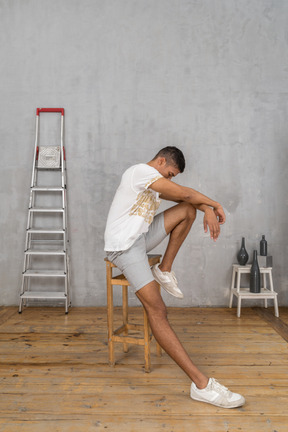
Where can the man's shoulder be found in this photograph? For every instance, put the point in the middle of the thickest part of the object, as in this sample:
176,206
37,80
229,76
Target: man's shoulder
139,176
139,170
142,168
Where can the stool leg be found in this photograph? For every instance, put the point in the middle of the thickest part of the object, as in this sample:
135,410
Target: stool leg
276,310
238,281
125,314
232,286
158,347
158,350
147,343
275,298
265,286
110,318
271,281
239,294
239,307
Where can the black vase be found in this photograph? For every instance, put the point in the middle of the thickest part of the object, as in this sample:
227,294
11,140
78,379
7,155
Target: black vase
263,246
255,275
242,256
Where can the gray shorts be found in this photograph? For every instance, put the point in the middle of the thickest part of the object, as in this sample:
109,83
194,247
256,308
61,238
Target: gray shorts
133,262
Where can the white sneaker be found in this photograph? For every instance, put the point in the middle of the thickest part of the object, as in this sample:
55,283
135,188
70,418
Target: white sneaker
167,280
216,394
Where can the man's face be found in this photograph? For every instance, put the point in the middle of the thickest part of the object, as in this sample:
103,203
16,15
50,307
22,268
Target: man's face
169,171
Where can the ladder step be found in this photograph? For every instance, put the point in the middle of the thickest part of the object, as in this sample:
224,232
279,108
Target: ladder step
45,252
45,294
46,210
47,189
45,231
47,169
44,273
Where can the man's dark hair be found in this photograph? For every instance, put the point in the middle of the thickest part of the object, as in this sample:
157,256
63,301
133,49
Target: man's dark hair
173,156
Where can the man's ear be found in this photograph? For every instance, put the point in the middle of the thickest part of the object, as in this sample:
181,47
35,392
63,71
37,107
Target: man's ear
162,161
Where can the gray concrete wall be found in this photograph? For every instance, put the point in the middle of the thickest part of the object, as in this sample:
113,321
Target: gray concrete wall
209,76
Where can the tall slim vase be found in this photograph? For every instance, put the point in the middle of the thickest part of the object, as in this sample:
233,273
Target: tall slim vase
255,275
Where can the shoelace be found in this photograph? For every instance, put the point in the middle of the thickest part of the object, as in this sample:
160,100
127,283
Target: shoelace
172,274
215,385
174,277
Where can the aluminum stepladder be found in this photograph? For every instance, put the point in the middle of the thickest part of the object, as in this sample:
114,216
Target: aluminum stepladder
47,243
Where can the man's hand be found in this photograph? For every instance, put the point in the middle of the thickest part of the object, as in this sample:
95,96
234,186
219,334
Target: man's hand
219,212
211,221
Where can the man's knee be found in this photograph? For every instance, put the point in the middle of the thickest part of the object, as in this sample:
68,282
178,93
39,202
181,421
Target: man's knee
189,211
151,299
158,310
154,307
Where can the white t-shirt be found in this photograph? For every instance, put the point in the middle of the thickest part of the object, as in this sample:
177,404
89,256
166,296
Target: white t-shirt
133,207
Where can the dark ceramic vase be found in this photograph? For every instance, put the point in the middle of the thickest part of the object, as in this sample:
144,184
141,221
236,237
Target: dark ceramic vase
242,256
263,246
255,275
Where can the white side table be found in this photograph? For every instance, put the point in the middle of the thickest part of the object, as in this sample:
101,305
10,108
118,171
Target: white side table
244,293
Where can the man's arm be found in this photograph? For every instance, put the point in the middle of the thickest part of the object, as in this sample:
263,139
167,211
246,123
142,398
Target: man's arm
174,192
214,215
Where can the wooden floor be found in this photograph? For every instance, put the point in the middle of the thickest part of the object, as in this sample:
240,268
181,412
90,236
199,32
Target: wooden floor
54,374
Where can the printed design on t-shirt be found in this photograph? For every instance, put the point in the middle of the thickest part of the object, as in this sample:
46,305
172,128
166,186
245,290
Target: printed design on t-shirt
153,180
146,205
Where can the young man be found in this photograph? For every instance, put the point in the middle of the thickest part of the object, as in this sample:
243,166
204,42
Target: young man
132,231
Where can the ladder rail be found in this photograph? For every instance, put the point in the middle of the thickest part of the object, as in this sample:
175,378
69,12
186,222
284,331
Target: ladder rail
62,155
33,179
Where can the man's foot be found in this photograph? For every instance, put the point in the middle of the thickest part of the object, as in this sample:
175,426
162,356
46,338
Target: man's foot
216,394
167,280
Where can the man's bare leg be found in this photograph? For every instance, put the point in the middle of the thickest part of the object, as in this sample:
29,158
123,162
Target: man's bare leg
152,301
177,221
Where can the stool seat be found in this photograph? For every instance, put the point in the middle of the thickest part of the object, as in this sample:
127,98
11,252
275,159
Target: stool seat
121,334
244,293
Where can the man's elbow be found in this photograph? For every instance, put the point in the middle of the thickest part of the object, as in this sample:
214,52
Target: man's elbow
190,198
187,197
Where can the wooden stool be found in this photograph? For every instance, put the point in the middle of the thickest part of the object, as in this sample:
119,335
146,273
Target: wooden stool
244,293
122,333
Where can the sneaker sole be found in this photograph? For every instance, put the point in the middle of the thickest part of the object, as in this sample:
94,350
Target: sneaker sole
172,293
218,405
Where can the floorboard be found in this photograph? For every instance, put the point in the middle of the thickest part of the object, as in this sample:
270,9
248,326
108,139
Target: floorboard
54,374
276,323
